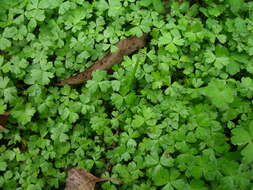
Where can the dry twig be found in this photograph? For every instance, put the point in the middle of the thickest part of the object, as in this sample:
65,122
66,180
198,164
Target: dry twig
125,48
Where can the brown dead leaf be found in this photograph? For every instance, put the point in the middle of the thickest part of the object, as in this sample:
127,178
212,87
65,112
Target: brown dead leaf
1,127
125,48
3,119
79,179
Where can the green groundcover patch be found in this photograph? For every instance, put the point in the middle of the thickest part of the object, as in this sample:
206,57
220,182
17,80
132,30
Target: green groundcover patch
176,115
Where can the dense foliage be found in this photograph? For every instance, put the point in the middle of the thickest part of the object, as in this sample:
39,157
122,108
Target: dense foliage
175,115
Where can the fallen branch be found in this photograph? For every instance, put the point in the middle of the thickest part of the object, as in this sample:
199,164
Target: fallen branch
125,48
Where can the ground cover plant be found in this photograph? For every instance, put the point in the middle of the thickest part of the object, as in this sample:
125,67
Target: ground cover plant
177,114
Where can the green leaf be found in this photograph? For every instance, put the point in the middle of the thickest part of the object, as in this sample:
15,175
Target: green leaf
168,187
165,39
240,136
4,43
10,32
129,80
138,121
102,5
136,31
151,160
153,132
62,148
117,100
209,56
222,38
236,5
4,82
130,99
1,60
9,155
114,8
219,93
158,6
104,86
246,87
37,14
163,118
166,160
160,175
2,107
233,67
220,62
247,152
47,4
63,137
3,165
23,113
115,85
146,3
196,172
10,95
39,77
99,75
114,48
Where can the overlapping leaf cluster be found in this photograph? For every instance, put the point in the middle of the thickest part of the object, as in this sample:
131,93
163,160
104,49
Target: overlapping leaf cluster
175,115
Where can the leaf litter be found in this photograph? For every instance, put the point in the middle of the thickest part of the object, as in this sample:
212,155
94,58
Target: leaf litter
79,179
3,119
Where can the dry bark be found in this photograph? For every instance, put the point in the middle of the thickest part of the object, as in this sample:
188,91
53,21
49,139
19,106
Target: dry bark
79,179
125,48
